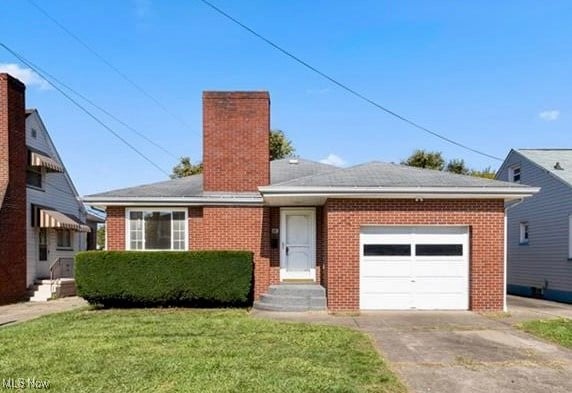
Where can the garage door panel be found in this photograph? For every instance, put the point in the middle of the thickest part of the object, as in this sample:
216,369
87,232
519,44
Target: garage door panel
441,268
386,285
380,268
386,301
439,285
442,301
437,278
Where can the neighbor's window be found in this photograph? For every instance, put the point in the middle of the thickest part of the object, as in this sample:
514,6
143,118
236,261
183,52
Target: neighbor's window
157,229
64,239
514,174
524,233
34,177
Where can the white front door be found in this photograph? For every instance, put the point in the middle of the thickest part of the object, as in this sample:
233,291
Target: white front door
298,244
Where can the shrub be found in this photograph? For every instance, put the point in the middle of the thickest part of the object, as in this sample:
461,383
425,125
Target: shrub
134,279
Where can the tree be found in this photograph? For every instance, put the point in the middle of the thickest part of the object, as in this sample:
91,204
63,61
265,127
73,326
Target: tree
457,166
186,168
434,160
487,173
425,159
100,237
280,145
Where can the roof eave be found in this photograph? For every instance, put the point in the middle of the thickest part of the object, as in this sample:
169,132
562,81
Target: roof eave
506,193
172,201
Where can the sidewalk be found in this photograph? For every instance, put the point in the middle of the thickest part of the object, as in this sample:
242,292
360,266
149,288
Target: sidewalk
20,312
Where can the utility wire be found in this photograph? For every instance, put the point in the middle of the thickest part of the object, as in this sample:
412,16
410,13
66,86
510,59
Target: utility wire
83,109
344,86
110,65
114,117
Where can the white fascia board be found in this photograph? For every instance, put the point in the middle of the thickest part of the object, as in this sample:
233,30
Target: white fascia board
402,192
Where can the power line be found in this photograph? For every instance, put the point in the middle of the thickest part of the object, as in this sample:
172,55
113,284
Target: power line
344,86
114,117
83,109
110,65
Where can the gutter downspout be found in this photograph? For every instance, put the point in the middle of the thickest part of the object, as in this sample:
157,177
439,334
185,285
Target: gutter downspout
506,209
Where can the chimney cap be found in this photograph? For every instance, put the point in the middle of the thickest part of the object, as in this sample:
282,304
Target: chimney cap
258,94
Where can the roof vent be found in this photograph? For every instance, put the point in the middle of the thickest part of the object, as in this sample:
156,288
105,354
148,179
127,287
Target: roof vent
558,167
293,161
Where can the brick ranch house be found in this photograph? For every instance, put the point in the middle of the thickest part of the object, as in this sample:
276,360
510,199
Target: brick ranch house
372,236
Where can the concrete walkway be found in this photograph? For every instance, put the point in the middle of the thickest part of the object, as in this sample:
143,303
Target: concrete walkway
20,312
462,351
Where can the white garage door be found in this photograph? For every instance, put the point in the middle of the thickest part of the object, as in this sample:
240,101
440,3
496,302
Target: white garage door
423,268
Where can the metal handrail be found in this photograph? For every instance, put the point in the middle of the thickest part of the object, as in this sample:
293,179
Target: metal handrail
61,267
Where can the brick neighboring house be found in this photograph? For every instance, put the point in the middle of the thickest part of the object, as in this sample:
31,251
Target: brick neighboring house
42,221
375,236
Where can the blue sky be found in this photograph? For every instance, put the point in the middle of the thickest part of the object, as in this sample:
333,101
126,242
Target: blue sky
492,75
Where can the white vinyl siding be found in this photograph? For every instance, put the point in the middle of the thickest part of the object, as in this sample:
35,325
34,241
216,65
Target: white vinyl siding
156,229
545,260
570,237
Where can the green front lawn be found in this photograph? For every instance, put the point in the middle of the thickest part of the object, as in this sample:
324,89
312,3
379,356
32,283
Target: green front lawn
557,330
178,350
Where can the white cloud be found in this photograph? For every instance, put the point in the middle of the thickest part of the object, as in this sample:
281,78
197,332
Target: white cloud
549,115
25,75
333,159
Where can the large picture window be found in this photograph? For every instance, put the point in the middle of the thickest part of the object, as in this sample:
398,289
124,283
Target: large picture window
156,229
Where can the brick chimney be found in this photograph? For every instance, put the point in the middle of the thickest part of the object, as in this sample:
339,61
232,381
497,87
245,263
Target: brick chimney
13,162
236,137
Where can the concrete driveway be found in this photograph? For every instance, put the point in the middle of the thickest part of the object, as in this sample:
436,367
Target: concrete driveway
460,351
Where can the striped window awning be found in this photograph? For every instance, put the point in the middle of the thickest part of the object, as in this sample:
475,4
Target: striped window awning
40,160
57,220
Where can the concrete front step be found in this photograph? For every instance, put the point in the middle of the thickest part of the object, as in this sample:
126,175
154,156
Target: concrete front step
291,289
280,300
293,297
291,308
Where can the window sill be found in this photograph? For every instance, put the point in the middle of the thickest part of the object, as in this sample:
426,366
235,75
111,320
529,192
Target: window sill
64,249
35,188
523,244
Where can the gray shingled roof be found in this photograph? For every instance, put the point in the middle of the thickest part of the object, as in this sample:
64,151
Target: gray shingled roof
192,186
547,159
381,174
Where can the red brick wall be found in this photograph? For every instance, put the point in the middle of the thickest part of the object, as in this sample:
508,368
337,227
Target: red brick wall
485,218
215,228
235,228
236,133
115,228
13,162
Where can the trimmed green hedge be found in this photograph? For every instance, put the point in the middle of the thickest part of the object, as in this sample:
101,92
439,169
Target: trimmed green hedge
139,278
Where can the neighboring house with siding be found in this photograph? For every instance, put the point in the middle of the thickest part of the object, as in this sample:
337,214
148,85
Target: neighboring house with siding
48,223
540,228
371,236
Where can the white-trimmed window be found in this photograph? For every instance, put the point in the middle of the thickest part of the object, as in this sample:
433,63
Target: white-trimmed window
64,239
156,229
524,233
514,174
